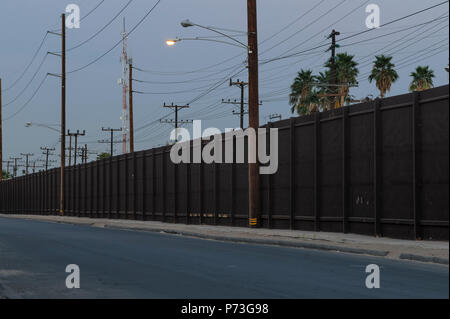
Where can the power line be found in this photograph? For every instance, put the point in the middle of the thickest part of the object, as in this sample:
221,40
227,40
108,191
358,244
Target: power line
359,33
29,82
102,29
28,65
29,100
119,42
293,22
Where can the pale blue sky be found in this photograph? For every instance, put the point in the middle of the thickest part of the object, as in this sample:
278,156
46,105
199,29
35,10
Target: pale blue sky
94,97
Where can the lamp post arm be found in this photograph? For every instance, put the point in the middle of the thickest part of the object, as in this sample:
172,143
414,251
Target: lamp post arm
211,40
223,34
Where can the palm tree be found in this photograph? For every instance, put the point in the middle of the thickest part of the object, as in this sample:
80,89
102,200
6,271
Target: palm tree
5,175
383,73
103,155
302,92
322,80
422,79
346,73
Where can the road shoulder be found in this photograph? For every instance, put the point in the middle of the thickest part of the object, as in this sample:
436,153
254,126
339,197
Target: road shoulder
418,251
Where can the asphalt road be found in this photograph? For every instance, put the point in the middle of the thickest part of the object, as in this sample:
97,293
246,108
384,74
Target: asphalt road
129,264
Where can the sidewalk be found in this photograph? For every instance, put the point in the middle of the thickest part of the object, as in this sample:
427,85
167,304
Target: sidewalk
423,251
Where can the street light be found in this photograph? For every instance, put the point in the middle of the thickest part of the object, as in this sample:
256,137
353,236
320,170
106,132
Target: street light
252,49
172,42
49,126
187,23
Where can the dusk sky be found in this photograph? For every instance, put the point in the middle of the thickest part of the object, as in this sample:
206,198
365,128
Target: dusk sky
182,73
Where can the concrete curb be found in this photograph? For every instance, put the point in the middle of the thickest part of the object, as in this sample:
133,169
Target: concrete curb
271,242
425,259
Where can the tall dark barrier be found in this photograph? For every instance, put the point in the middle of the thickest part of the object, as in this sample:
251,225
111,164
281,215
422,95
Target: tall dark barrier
377,168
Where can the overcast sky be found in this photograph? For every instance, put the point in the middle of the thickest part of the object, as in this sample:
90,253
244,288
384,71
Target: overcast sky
94,98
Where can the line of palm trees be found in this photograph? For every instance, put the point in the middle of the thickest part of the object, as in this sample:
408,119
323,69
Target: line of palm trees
314,93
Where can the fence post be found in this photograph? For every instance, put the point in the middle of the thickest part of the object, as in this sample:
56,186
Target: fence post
201,186
417,180
292,174
377,166
134,186
216,193
233,184
86,208
144,186
164,188
188,192
127,182
345,200
175,189
317,164
269,187
97,184
118,189
110,212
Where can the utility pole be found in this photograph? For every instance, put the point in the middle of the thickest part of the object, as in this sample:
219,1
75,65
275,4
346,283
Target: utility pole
76,135
130,93
47,154
46,163
275,116
111,130
333,73
36,166
253,111
176,122
242,111
8,163
63,114
15,159
125,61
1,137
241,85
63,108
70,147
27,157
84,154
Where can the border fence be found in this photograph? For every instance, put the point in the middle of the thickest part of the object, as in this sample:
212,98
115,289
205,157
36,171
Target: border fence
376,168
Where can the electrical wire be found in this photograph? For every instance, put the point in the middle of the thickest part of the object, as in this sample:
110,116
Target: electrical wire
27,102
102,29
29,82
108,51
28,65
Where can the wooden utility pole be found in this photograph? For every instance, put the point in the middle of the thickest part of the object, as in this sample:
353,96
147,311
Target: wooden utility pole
76,143
130,94
27,162
47,154
1,137
70,148
111,130
8,163
15,159
176,122
241,85
253,111
333,73
63,114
